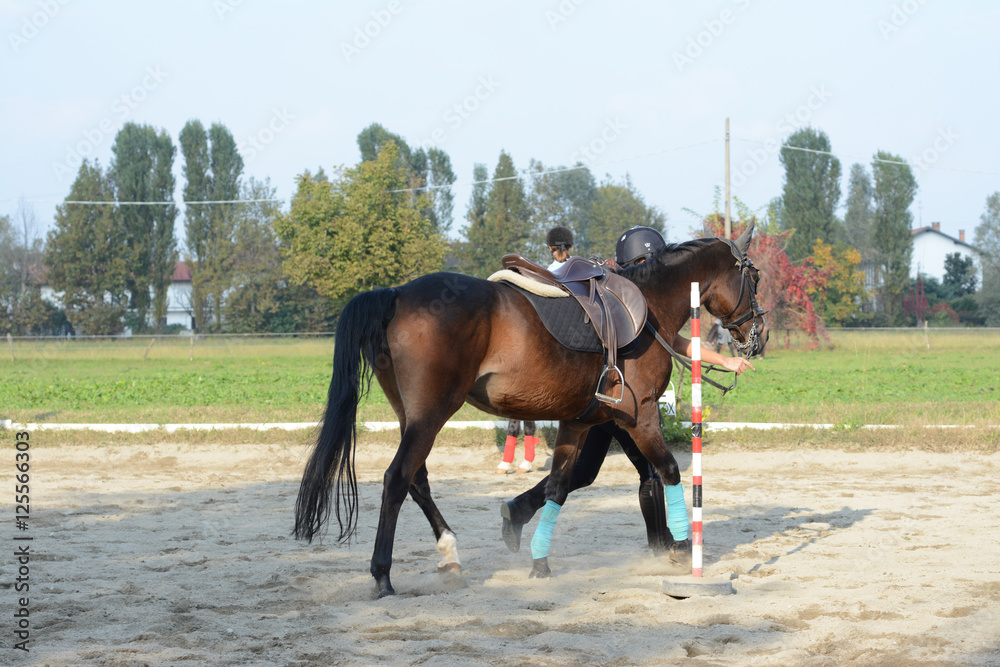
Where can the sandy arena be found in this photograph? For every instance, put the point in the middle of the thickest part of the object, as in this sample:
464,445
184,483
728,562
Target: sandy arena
178,554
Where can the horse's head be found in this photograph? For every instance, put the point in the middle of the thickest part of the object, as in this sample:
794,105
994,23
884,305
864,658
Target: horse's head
732,297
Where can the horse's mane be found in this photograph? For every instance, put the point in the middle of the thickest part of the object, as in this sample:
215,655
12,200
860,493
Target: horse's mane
666,257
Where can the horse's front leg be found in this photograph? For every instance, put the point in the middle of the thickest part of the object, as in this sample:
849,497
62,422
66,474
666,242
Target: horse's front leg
649,439
569,440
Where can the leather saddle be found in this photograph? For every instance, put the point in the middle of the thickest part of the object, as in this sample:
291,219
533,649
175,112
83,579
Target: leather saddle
613,305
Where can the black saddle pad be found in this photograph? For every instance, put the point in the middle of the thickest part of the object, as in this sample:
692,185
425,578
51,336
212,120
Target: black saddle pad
563,317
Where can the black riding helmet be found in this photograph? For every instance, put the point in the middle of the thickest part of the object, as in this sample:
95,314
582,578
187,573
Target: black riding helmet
638,243
559,237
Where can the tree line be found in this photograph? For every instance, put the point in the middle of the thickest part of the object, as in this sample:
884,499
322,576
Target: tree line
257,266
867,254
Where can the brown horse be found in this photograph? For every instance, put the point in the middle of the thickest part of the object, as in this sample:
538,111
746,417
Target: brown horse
445,339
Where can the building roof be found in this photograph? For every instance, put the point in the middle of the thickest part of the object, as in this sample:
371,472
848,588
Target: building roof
935,229
182,273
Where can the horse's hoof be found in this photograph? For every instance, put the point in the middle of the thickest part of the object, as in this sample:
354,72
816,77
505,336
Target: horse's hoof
385,592
540,569
679,554
510,531
448,568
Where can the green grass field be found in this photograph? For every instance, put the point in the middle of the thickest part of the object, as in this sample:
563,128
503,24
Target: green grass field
862,377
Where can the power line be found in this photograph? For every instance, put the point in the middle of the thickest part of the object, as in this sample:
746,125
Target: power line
856,157
524,173
147,203
533,174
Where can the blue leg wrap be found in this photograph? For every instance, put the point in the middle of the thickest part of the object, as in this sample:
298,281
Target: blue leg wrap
677,514
542,540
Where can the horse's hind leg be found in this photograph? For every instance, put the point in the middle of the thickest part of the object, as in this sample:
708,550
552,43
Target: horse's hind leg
447,544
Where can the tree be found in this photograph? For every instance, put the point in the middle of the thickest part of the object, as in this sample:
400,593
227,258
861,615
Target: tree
197,188
988,243
858,218
88,258
142,171
505,226
895,188
785,287
811,191
836,282
959,275
355,234
431,169
22,310
565,197
618,207
258,283
213,168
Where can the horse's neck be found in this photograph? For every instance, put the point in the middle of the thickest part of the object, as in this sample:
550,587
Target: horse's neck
671,295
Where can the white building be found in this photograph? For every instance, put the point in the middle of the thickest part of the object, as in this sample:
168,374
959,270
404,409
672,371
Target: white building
931,246
179,297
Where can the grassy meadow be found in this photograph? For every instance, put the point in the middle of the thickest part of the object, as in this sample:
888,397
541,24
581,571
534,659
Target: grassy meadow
860,377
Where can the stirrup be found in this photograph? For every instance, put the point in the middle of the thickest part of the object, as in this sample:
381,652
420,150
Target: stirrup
600,382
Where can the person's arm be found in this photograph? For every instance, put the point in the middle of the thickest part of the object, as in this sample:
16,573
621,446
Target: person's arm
735,364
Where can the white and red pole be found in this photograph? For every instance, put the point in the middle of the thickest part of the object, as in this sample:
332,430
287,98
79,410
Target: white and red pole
696,520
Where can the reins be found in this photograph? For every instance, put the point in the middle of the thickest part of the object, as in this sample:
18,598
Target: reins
685,362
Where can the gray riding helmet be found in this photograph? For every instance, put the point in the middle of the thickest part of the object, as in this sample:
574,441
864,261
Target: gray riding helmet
637,243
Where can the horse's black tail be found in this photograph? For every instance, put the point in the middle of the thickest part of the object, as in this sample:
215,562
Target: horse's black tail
329,477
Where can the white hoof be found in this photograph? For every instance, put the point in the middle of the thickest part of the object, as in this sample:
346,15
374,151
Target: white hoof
448,547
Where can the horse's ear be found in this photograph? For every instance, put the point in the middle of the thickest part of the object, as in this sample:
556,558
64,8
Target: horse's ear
743,242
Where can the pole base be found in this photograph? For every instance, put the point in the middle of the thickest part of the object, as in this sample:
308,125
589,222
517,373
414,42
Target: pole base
689,587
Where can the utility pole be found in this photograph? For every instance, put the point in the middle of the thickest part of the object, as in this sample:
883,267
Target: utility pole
729,220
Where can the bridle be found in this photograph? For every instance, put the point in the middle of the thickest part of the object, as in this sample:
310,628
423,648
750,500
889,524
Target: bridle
756,313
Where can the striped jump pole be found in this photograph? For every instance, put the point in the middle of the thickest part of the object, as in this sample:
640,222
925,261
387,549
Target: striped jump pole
696,413
696,584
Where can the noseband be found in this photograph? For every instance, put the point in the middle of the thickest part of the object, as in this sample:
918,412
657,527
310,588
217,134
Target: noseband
756,313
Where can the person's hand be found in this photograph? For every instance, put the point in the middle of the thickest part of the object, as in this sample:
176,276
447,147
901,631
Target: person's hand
737,364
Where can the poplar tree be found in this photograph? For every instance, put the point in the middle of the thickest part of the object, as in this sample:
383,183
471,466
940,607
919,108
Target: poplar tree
197,188
142,171
987,241
505,225
213,169
87,255
895,188
858,218
811,191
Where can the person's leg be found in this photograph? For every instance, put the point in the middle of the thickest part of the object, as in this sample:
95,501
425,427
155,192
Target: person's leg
529,447
507,464
660,507
517,512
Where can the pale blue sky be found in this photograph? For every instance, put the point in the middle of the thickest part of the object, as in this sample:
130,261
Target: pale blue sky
297,81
